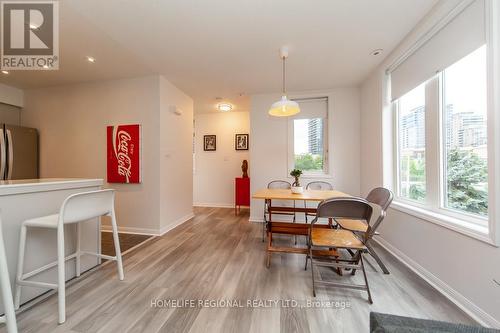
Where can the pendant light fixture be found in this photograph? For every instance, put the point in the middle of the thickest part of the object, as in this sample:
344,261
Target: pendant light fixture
284,107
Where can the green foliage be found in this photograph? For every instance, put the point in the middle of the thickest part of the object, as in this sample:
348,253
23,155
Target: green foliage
296,173
309,162
416,170
467,176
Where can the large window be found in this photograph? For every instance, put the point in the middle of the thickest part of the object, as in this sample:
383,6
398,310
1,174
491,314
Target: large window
464,107
441,141
411,144
308,143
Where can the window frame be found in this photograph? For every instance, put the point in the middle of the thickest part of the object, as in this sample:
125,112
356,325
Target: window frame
327,167
433,209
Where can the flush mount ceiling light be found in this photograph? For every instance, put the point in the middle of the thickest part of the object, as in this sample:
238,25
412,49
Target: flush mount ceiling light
224,107
284,107
90,59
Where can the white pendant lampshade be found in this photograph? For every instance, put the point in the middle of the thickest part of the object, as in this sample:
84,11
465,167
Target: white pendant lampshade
284,107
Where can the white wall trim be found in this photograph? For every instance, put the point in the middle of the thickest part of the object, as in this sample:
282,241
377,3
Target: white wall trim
213,205
131,230
150,232
458,299
176,223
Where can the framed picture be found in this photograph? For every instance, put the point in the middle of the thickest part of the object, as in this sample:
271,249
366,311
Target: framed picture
241,142
209,143
124,154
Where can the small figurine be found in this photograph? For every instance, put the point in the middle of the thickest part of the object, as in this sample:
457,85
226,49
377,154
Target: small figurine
244,168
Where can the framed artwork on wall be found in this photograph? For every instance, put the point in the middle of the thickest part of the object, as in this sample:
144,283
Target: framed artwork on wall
241,142
209,143
124,154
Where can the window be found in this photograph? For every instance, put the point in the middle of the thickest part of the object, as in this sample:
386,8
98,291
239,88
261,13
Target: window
465,160
308,142
441,139
411,144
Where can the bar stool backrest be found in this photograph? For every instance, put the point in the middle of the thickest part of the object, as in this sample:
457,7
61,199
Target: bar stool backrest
86,205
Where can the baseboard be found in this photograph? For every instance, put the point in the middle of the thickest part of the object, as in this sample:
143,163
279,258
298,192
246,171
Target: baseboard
176,223
131,230
149,232
214,205
458,299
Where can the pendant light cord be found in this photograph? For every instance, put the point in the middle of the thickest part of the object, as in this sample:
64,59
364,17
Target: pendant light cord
284,76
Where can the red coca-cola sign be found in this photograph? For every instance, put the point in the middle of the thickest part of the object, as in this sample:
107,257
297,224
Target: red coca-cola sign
124,152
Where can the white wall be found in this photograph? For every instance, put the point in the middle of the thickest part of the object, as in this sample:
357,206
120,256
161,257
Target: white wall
268,145
11,95
176,159
461,267
215,170
72,124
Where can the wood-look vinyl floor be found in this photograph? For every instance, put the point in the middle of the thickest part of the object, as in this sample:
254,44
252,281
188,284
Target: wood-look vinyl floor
127,241
219,256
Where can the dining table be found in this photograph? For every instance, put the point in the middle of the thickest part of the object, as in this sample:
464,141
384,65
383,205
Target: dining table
292,228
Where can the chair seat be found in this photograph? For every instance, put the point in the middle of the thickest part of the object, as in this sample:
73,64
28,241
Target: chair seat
335,238
49,221
353,225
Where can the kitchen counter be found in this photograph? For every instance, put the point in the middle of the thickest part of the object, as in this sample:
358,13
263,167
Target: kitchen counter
24,199
43,184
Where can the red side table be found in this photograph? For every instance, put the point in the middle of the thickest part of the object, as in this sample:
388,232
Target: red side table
242,193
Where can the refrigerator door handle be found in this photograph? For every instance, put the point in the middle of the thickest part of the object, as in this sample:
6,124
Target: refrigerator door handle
3,157
11,155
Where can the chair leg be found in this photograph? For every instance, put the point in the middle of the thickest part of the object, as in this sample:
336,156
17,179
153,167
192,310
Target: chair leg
10,315
377,258
312,270
61,276
366,279
20,266
269,244
116,241
264,228
78,248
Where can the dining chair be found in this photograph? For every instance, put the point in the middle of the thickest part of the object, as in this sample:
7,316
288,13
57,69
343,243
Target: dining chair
379,196
9,318
318,186
339,239
275,184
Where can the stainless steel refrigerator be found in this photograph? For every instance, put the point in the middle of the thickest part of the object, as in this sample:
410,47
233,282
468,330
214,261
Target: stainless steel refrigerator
18,152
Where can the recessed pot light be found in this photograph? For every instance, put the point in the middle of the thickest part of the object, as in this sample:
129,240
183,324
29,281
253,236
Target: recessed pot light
376,52
224,107
90,59
5,72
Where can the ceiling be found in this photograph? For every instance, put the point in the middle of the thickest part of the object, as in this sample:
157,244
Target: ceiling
226,48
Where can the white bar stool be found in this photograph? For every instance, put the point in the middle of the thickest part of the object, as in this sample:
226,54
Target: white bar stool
76,208
10,316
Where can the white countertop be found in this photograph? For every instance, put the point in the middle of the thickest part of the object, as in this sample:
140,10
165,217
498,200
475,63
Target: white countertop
8,187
